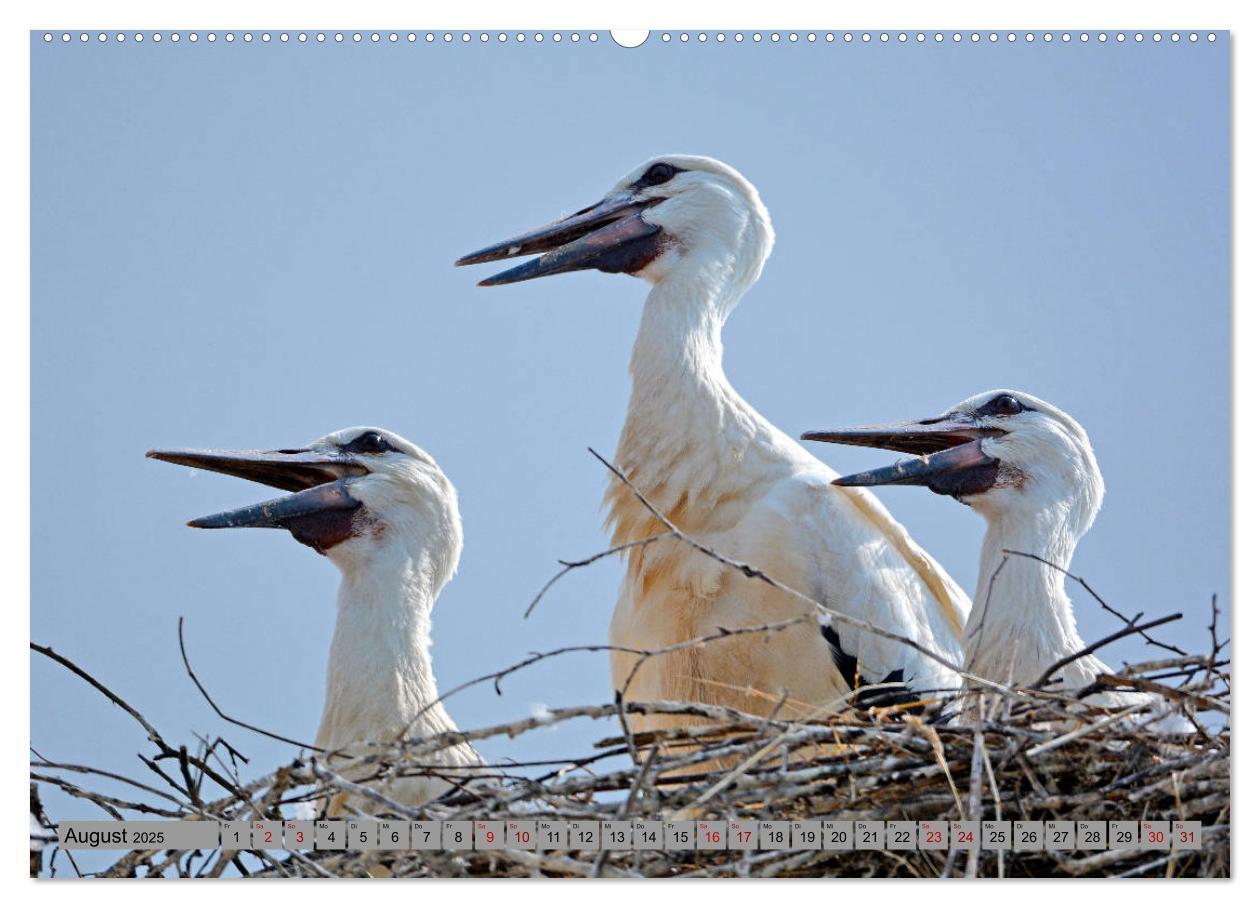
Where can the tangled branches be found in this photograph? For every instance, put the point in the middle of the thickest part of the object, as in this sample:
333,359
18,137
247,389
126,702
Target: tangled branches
1014,753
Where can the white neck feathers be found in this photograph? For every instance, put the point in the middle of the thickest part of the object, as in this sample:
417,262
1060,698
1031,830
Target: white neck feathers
686,427
380,675
1021,619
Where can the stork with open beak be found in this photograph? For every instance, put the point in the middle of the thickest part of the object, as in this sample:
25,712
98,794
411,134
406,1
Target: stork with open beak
697,231
384,513
1029,469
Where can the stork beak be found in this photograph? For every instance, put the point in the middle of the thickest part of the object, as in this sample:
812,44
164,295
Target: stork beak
930,471
611,236
320,513
951,460
926,436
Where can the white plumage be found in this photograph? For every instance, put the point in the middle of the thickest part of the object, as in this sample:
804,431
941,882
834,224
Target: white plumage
697,231
387,516
1029,469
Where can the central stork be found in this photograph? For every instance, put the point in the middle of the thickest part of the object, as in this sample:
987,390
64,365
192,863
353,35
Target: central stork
697,231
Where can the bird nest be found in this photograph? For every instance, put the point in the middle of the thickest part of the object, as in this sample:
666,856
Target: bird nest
1010,753
1019,755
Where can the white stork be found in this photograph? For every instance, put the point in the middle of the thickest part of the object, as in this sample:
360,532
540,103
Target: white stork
696,230
386,515
1029,469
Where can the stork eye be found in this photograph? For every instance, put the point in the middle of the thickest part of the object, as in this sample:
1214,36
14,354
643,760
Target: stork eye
369,443
658,173
1003,405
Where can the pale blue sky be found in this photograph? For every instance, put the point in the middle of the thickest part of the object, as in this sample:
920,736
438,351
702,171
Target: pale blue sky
251,245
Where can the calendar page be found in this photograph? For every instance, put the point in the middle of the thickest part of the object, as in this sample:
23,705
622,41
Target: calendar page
795,452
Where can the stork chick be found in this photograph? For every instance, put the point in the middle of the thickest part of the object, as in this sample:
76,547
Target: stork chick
1030,471
697,231
384,513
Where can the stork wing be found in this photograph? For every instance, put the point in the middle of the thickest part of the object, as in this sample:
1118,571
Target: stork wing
871,570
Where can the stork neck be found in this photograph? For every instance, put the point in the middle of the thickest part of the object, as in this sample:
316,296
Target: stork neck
1022,621
685,425
379,671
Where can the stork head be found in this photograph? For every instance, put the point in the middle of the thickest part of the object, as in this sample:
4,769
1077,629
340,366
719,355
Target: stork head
1001,452
668,213
355,494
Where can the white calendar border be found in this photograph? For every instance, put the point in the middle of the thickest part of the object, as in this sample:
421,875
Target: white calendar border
19,17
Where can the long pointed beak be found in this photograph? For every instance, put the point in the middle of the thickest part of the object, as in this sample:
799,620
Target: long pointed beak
610,236
951,460
291,470
933,471
283,513
925,436
320,513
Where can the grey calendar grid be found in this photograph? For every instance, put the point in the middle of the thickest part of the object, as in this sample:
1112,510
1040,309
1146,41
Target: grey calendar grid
552,834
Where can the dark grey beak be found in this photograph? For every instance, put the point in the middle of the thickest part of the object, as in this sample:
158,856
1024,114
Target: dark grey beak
609,236
925,436
951,462
320,513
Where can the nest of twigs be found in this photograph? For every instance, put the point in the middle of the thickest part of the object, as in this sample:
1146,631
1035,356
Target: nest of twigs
1021,754
1006,754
